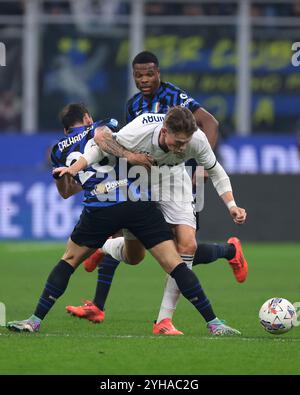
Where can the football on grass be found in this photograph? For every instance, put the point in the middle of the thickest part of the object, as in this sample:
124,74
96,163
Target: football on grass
276,315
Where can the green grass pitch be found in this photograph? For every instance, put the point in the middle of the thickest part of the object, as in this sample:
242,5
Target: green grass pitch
124,343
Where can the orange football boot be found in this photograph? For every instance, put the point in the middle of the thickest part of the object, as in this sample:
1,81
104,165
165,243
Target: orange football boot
93,260
165,327
88,311
238,263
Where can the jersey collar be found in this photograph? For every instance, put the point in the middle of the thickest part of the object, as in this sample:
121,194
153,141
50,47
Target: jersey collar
79,129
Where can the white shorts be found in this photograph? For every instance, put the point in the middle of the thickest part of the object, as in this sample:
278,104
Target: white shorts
179,213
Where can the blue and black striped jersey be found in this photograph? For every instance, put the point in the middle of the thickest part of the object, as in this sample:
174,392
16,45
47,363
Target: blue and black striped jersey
71,147
168,95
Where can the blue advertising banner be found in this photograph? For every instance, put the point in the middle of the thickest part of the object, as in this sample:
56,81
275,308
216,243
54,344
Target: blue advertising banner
265,154
31,208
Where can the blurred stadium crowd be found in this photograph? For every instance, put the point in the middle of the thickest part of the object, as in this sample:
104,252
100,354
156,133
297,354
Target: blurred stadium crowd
108,7
79,61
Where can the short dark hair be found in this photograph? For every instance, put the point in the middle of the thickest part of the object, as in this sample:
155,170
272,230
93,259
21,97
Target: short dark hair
180,119
72,113
145,57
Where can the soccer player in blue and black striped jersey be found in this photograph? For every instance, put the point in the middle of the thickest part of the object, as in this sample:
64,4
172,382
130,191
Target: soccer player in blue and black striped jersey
158,96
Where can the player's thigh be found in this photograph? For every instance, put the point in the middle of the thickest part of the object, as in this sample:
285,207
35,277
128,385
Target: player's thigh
134,249
181,216
146,222
166,254
185,236
95,226
75,254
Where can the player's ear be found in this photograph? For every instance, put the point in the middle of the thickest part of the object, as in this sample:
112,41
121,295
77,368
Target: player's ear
158,72
164,131
87,119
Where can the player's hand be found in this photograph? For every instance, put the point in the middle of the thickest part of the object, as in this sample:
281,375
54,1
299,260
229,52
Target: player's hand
238,215
135,158
61,171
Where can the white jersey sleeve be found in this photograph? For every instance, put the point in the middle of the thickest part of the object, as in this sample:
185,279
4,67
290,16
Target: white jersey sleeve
201,150
92,153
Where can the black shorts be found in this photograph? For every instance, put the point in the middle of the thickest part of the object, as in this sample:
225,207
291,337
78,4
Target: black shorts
144,220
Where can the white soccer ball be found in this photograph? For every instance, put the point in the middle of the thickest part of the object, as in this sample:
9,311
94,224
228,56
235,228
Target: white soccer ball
276,315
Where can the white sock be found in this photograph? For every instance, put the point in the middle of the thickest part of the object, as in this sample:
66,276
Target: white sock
114,247
172,293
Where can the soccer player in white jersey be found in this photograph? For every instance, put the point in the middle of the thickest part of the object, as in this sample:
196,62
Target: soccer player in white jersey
170,140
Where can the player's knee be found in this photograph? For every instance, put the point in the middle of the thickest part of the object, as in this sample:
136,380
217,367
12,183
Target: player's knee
187,247
72,258
136,258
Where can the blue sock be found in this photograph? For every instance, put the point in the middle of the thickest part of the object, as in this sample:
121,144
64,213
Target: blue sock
191,289
106,273
210,252
56,285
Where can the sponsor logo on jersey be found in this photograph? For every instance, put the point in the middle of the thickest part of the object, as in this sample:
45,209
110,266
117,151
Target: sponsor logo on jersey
113,122
109,186
185,103
138,112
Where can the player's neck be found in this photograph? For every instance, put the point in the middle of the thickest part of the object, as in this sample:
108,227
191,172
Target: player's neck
161,143
78,125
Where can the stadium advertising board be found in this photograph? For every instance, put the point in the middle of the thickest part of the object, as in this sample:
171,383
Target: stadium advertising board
197,59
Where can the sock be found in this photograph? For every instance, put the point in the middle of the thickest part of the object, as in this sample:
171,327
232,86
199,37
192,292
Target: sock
215,321
35,319
106,271
191,289
114,248
172,293
207,253
56,285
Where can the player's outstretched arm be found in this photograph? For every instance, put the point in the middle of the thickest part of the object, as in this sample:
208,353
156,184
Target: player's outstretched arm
222,185
77,166
67,186
106,142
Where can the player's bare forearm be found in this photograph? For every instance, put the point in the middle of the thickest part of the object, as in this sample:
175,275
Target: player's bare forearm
106,142
79,165
227,197
73,187
208,123
67,186
104,139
